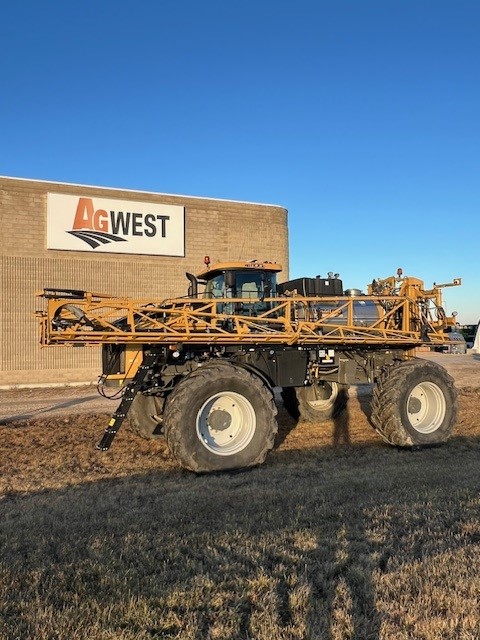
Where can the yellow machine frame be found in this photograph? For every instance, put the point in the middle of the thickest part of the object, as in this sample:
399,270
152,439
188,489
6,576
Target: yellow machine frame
406,318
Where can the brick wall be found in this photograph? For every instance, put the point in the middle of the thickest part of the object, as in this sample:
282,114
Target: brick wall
223,230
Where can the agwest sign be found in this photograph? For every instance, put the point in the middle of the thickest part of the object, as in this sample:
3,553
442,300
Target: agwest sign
81,223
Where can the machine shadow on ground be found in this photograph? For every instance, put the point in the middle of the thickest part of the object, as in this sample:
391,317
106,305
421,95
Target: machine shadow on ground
317,545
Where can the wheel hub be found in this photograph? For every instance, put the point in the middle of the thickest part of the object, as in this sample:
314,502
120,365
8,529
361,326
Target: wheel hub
414,405
226,423
426,407
219,420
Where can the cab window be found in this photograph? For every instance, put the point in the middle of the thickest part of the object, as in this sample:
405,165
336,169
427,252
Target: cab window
215,288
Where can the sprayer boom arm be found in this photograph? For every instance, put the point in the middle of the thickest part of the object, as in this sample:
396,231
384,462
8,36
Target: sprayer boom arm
91,318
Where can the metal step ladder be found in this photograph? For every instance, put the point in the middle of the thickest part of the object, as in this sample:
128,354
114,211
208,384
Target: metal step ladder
128,397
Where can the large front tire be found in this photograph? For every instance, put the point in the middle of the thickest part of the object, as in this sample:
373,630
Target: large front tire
220,417
316,402
415,404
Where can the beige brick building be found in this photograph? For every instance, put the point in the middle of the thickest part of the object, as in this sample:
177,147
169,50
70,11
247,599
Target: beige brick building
224,230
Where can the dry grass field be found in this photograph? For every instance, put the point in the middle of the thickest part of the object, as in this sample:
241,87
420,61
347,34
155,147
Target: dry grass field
336,536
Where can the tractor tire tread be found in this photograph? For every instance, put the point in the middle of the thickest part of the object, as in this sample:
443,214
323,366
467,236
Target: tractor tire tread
182,397
387,394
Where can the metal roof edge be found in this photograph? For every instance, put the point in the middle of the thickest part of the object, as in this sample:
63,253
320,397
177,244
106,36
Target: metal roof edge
152,193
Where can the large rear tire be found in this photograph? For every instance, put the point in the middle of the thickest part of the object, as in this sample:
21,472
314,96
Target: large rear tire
414,404
316,402
144,416
220,417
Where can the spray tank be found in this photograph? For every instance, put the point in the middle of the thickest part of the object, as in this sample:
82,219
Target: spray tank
333,304
365,312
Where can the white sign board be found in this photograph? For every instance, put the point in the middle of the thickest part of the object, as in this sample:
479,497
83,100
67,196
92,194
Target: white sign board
103,225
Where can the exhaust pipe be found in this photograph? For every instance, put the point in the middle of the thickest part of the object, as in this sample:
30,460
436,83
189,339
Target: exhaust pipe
193,286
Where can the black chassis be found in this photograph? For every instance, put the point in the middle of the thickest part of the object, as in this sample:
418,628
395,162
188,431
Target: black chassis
277,365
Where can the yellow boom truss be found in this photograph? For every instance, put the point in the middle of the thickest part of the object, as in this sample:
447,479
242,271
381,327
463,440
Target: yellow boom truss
88,318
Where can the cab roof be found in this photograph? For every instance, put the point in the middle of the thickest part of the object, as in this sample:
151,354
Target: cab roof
254,265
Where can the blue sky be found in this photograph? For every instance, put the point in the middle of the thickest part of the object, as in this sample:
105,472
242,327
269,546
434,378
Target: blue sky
362,117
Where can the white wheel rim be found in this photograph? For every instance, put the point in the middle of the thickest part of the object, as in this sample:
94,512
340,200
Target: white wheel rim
426,407
320,403
226,423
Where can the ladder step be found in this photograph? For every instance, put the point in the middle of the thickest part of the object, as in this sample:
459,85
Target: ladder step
129,394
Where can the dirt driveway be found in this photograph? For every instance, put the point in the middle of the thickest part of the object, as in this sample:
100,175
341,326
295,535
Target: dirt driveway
28,404
465,369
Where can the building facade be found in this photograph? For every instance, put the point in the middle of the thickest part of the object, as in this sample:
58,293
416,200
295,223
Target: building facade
118,241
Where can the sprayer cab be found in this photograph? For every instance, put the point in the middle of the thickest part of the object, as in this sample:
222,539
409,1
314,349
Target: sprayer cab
251,280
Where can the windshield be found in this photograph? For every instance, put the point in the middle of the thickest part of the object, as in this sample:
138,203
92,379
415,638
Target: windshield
248,284
254,284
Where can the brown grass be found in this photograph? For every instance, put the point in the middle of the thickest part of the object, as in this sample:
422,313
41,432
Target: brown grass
337,536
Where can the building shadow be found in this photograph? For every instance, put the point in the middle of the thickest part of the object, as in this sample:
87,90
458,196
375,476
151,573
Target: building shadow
297,547
160,545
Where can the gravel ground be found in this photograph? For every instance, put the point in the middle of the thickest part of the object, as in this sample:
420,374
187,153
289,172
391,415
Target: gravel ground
27,404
